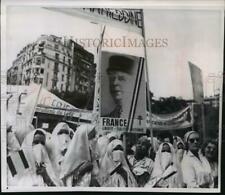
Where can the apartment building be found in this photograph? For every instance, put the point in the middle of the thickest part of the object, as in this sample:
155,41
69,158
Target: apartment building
58,63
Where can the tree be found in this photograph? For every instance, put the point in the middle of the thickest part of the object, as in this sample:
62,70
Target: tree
168,105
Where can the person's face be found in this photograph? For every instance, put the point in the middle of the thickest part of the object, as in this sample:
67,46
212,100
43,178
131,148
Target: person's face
166,148
166,156
118,154
194,142
118,82
180,146
64,139
39,139
141,149
210,150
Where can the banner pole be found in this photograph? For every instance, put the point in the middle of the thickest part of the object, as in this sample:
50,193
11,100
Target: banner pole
147,78
97,96
193,118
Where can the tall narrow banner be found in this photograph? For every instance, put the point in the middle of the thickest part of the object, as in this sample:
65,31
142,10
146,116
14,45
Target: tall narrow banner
197,85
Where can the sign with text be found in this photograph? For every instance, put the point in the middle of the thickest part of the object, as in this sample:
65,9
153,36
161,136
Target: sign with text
122,93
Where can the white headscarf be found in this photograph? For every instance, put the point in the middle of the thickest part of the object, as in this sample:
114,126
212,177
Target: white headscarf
102,146
187,135
108,165
78,151
56,149
39,153
159,169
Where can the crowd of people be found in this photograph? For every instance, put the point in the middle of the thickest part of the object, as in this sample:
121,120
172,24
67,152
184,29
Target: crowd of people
86,158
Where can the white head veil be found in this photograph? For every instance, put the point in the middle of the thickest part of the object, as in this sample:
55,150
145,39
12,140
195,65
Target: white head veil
42,154
78,151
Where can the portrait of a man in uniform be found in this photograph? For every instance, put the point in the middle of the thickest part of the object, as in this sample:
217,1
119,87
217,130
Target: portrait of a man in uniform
120,77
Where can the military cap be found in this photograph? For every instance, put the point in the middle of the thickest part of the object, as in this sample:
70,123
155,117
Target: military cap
120,63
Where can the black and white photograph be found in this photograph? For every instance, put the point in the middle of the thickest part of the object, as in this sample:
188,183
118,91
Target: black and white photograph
119,97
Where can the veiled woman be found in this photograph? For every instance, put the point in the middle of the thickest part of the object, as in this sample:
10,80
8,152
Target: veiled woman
59,143
164,167
36,150
114,170
80,159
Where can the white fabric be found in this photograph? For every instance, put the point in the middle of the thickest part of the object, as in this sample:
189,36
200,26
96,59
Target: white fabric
196,171
30,178
108,165
78,152
102,146
160,168
13,144
57,146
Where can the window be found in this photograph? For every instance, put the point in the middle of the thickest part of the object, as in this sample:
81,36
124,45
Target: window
56,46
64,58
62,77
56,56
53,84
47,79
37,71
49,46
63,67
42,70
56,66
43,60
61,87
40,80
69,61
38,61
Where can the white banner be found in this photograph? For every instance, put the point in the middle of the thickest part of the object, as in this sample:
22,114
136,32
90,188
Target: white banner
179,120
51,104
21,103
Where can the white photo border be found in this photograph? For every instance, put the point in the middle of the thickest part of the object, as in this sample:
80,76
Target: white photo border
193,5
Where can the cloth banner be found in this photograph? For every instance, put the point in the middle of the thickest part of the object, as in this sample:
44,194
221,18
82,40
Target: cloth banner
179,120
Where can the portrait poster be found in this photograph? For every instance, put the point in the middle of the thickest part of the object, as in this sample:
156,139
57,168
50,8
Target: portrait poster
117,97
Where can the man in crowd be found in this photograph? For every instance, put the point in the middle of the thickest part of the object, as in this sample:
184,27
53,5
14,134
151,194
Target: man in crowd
120,78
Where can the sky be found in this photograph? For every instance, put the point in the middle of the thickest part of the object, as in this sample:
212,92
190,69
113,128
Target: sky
25,24
192,35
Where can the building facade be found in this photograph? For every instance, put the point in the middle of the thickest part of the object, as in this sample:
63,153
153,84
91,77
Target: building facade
58,63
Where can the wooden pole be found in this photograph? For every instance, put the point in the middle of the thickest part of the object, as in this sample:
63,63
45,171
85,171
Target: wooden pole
125,143
97,96
148,87
193,118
